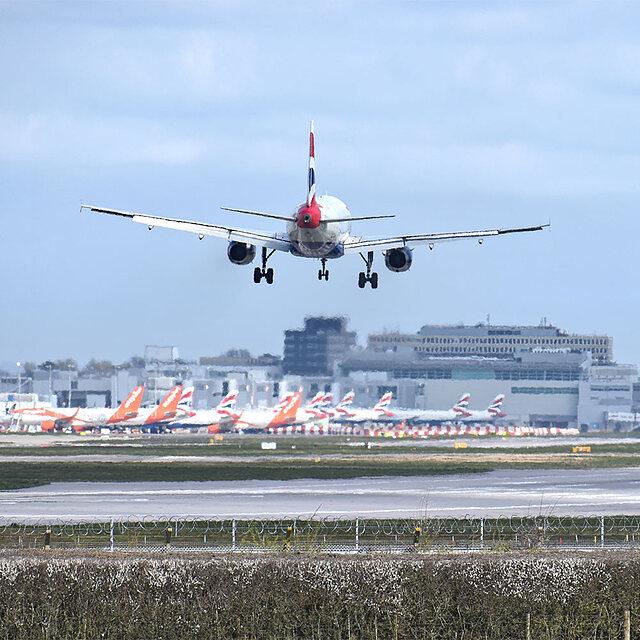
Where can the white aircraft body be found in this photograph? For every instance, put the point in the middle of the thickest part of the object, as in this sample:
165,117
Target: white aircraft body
78,418
318,228
344,412
285,412
459,411
314,412
164,413
224,414
493,411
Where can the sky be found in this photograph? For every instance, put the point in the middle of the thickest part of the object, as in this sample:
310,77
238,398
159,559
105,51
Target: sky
452,115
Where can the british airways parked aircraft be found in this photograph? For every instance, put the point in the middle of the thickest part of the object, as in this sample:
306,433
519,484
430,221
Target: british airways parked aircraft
318,228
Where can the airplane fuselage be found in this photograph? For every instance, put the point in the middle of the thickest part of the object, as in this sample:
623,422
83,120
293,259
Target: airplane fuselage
313,234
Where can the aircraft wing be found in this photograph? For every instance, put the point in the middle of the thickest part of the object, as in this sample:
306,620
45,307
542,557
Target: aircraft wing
200,228
383,244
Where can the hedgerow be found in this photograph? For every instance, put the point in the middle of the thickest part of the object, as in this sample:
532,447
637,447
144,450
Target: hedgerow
290,596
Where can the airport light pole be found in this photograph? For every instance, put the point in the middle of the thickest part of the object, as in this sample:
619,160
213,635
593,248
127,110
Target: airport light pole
19,376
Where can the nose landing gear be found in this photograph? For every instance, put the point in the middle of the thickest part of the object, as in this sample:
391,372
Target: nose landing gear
324,272
369,276
267,274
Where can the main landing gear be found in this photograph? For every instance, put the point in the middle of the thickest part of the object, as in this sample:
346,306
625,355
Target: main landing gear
263,272
369,276
324,272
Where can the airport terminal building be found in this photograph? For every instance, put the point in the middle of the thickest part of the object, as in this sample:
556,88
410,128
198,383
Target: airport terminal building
548,376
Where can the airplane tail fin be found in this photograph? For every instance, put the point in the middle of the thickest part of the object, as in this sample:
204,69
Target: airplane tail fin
311,193
167,408
286,410
186,399
317,401
327,400
495,408
384,402
129,408
461,408
346,401
228,403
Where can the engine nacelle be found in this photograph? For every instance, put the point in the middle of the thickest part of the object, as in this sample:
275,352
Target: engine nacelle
398,259
241,253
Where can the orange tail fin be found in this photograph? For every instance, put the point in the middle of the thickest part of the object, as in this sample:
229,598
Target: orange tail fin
129,408
288,410
167,408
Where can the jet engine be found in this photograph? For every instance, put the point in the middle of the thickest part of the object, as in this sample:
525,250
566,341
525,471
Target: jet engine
241,253
398,259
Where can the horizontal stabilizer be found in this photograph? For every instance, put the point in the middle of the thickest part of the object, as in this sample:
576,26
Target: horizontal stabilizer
260,213
358,218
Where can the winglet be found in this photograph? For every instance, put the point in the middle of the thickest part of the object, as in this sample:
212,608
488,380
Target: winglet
311,194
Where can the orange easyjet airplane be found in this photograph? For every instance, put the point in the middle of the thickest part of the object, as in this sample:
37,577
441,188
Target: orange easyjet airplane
282,414
81,419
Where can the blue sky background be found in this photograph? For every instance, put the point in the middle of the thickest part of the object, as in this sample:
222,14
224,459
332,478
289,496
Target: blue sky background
452,115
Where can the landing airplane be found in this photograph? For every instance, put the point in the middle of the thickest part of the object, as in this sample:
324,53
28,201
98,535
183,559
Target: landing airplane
318,228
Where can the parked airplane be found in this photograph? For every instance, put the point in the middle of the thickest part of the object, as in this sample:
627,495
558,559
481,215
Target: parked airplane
459,411
224,415
493,411
165,412
344,412
81,419
283,413
318,228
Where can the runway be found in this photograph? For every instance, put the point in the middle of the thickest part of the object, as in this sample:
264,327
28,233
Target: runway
496,493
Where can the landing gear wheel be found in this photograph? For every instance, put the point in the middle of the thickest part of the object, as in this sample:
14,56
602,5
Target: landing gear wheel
269,275
263,272
374,280
323,273
362,280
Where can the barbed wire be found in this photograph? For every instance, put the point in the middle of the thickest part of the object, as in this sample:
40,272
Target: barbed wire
547,525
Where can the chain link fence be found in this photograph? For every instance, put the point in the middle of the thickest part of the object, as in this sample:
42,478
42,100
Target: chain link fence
328,535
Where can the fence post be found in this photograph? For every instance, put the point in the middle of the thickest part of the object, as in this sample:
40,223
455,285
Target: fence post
482,533
627,624
47,539
233,535
602,532
528,627
111,535
357,534
289,537
167,539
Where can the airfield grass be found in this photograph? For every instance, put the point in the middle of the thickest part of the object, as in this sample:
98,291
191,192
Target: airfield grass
167,445
17,474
